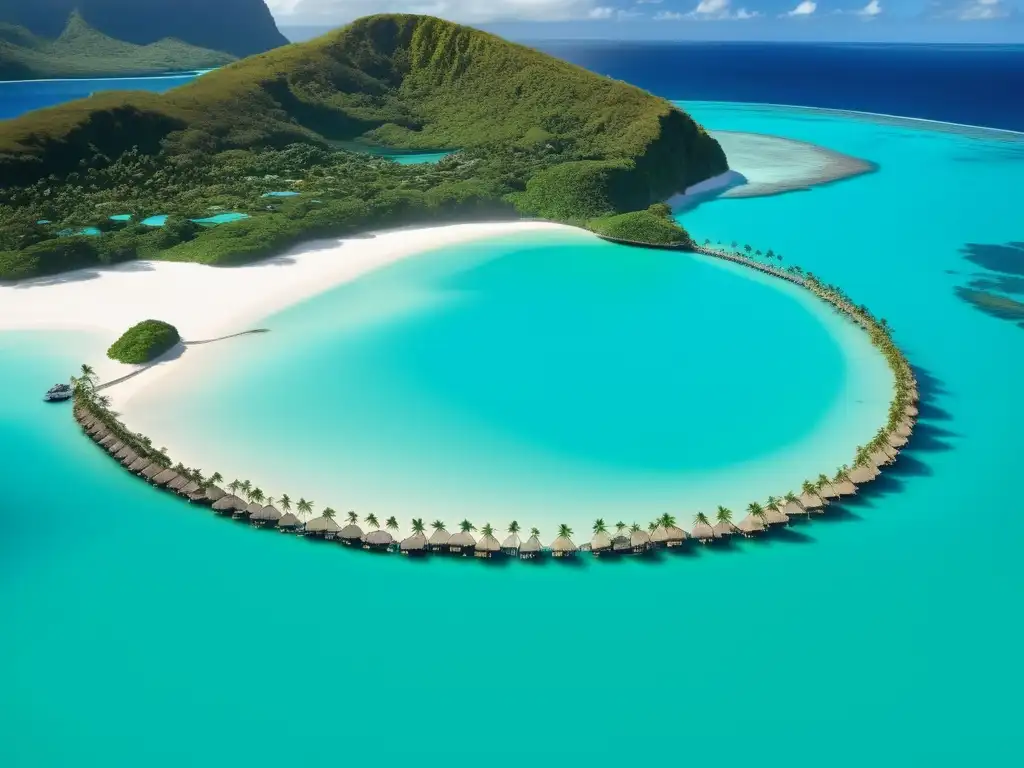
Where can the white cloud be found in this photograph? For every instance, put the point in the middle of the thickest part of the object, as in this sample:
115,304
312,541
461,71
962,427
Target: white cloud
602,12
805,8
338,12
648,2
717,10
869,11
969,10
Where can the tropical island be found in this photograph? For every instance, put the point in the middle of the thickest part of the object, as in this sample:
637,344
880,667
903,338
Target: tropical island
270,139
144,342
102,38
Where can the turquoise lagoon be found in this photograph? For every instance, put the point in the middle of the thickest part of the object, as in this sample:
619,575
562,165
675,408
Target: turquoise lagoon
139,630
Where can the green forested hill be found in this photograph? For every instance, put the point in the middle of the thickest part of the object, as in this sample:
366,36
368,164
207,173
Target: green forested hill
81,51
237,27
534,134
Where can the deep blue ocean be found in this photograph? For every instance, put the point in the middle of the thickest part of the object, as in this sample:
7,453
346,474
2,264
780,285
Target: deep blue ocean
969,84
138,630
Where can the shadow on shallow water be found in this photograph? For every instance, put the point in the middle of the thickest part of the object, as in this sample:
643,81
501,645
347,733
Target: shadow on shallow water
991,291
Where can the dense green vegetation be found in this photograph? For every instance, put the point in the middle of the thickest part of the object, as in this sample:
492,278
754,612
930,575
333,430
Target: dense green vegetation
144,342
536,136
654,226
81,51
237,27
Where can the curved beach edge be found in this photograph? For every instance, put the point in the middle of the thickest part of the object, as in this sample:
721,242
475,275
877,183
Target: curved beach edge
136,454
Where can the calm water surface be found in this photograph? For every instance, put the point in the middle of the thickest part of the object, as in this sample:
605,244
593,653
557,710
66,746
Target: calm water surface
141,631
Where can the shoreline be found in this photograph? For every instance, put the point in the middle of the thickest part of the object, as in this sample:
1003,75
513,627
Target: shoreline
205,302
824,293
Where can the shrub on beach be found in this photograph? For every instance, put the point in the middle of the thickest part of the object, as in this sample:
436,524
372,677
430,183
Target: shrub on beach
144,342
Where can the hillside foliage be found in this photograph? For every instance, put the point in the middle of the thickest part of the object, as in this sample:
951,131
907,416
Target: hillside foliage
535,136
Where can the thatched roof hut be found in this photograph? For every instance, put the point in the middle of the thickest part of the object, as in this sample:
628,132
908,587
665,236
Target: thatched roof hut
910,411
268,516
151,471
438,540
139,464
905,428
845,488
621,544
414,545
229,504
288,522
510,546
671,536
487,546
252,509
530,548
750,526
639,541
208,495
704,532
163,478
724,529
563,547
794,509
129,458
124,452
601,542
323,527
861,475
351,535
879,458
897,441
107,440
378,541
189,488
114,447
179,482
773,516
462,543
812,502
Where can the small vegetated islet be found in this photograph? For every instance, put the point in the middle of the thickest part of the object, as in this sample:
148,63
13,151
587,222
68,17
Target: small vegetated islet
144,342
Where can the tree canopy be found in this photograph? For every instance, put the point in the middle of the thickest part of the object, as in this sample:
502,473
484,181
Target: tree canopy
144,342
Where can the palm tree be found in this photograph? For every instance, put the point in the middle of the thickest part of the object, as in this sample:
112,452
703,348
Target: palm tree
808,488
790,498
565,530
246,487
487,530
391,524
417,525
652,526
371,519
270,501
465,526
824,481
353,518
599,526
437,525
328,513
256,496
748,249
535,532
772,503
286,504
620,527
701,519
304,507
513,527
234,486
635,528
215,478
667,521
843,473
757,511
724,515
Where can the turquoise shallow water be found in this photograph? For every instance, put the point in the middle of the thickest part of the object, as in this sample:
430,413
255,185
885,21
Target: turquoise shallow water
146,632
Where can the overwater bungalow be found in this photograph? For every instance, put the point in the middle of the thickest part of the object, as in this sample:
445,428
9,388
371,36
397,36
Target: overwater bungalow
127,459
897,441
488,545
351,535
114,447
152,471
531,548
668,536
288,523
639,541
793,508
600,543
264,517
438,541
773,515
414,545
880,458
904,429
621,544
910,411
751,525
863,474
124,453
845,488
139,464
378,541
462,543
105,441
323,528
563,547
704,532
189,488
510,546
812,502
163,478
178,483
252,509
208,496
724,529
229,504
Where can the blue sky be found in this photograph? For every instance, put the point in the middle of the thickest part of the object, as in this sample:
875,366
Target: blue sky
853,20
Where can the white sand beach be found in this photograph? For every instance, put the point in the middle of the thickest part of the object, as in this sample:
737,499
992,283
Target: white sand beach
208,302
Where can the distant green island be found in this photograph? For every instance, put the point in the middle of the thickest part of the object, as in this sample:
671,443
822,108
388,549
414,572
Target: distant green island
144,342
94,38
128,175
